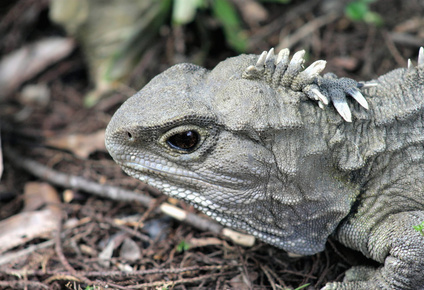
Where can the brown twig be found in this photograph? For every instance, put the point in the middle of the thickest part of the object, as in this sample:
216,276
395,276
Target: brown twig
149,210
393,50
307,29
266,270
8,257
23,284
118,274
339,254
165,284
325,270
75,182
132,232
62,258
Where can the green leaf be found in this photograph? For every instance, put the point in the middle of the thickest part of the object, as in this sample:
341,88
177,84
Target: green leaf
356,10
373,18
227,15
359,11
419,228
183,246
303,286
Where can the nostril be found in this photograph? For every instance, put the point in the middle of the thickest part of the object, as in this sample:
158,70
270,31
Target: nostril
130,136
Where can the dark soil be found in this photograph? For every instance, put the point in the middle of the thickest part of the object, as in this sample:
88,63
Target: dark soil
355,49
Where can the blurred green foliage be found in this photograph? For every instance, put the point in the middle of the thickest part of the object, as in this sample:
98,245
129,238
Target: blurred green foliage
183,246
184,11
359,10
226,14
420,228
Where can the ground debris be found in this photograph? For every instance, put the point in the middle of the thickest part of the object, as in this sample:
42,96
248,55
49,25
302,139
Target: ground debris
100,207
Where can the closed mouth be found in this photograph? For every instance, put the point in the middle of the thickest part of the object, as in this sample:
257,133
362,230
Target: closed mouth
159,169
176,174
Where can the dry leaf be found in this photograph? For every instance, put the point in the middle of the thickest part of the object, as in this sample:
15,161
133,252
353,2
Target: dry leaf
38,194
28,225
124,267
81,145
110,245
242,281
130,250
106,254
23,64
38,94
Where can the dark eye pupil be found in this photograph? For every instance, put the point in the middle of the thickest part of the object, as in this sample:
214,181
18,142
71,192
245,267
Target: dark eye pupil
186,140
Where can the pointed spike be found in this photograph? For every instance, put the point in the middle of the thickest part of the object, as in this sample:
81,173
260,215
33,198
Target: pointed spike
411,67
343,109
306,76
250,71
283,54
323,99
421,56
269,66
298,58
250,68
294,67
261,60
270,55
315,68
358,97
367,85
410,64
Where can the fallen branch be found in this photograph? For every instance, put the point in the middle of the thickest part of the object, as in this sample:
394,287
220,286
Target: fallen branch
172,284
23,285
116,193
120,274
9,257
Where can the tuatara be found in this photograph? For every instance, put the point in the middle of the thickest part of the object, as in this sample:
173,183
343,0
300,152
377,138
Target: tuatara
247,144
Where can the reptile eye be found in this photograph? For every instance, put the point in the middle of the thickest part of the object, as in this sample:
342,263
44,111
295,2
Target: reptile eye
185,141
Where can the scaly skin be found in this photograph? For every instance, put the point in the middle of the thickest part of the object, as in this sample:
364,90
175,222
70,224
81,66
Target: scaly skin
246,144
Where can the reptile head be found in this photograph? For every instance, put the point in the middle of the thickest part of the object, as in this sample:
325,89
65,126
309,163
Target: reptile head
169,136
229,145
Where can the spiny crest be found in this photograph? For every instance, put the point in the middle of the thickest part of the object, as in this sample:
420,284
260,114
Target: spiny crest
280,71
397,111
421,56
420,60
